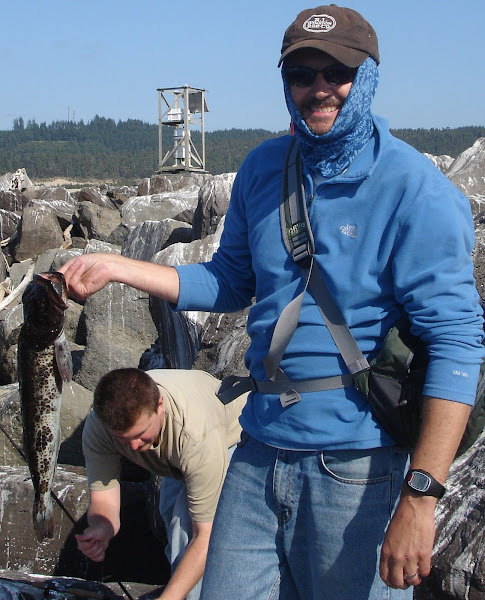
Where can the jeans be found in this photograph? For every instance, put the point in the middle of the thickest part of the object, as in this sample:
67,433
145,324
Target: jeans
174,510
293,525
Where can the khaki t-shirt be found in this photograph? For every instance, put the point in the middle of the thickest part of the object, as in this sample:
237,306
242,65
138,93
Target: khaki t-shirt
198,429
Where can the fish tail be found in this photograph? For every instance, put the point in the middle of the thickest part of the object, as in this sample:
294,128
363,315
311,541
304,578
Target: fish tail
43,517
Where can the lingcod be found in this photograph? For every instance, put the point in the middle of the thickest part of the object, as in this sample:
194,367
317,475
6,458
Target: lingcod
44,363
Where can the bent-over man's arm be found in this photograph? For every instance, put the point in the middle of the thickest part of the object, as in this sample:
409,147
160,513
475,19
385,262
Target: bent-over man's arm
103,523
191,568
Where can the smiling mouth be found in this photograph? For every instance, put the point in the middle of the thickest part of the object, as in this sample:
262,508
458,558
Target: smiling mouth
323,109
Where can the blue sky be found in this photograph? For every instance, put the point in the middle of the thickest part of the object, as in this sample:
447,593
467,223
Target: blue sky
63,59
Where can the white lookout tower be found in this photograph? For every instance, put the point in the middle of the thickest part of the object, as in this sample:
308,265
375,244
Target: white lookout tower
187,109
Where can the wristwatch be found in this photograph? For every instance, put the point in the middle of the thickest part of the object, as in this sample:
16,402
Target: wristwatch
421,482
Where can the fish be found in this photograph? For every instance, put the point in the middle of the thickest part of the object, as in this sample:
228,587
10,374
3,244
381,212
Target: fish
44,364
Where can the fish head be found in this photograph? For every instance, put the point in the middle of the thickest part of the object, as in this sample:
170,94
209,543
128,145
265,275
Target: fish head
44,303
55,285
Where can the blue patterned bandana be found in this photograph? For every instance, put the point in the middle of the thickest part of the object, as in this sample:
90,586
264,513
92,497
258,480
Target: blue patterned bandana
330,154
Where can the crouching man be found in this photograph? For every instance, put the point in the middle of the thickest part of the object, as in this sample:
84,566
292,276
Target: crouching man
172,423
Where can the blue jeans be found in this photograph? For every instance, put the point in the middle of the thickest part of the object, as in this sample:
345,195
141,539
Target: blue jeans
294,525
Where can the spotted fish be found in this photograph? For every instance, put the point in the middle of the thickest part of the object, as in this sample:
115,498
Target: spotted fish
44,362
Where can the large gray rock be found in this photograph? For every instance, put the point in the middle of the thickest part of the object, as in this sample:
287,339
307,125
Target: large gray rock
13,200
61,202
459,552
442,162
39,231
9,224
157,207
468,170
145,240
99,223
16,181
119,330
96,196
20,551
212,205
181,332
224,341
157,184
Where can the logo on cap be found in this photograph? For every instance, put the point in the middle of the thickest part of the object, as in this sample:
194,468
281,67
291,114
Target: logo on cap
319,23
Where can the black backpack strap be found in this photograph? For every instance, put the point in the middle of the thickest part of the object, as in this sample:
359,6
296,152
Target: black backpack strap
298,239
295,224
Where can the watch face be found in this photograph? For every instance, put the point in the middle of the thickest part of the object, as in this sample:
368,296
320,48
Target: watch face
419,481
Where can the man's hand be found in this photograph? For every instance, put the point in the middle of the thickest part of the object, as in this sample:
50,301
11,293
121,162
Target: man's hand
95,539
86,274
406,552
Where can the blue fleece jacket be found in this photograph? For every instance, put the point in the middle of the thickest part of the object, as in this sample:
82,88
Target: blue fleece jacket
390,232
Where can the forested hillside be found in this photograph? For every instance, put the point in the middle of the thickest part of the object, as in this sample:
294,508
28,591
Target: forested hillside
127,150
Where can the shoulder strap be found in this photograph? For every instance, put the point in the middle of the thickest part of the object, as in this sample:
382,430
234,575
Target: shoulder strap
298,238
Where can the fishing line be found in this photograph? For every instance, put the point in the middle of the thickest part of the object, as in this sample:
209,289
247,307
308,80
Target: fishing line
61,506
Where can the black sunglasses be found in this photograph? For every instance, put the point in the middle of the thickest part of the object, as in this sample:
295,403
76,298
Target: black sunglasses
337,74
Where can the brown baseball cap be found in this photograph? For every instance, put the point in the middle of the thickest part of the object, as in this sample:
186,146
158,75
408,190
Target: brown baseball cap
341,32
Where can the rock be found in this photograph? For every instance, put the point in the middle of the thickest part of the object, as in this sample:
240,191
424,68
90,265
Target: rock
13,200
10,322
158,206
99,223
19,548
16,181
180,332
96,196
20,551
9,224
224,342
39,231
120,195
145,240
119,330
212,204
459,551
186,179
468,171
60,201
442,162
477,203
156,184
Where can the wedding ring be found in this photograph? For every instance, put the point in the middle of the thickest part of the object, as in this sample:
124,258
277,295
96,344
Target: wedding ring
410,576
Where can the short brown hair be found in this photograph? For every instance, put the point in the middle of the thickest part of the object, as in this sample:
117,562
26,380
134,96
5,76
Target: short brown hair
122,395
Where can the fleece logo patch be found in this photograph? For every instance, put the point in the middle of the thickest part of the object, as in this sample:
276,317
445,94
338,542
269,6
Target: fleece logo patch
349,230
319,24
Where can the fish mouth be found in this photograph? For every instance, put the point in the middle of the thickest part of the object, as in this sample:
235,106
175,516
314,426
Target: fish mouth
55,285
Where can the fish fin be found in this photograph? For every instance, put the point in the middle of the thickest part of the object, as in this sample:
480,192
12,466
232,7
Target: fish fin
44,524
63,357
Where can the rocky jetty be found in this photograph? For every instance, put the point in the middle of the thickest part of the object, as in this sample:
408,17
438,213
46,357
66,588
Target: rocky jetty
168,219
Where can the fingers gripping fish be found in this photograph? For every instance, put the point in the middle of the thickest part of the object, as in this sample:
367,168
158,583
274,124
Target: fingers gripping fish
44,362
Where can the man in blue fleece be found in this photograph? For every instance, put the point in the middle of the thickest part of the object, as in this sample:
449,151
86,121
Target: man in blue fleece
313,505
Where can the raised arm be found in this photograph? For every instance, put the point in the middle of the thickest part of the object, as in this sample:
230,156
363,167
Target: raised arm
89,273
